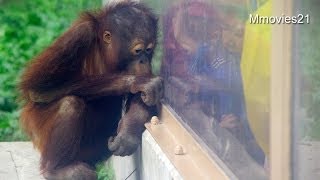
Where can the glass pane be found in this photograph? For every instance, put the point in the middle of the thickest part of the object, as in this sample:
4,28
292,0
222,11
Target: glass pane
306,79
215,64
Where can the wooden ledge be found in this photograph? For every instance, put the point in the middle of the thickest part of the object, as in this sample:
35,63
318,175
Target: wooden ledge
194,163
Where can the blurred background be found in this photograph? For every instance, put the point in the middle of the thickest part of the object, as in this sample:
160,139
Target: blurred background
26,28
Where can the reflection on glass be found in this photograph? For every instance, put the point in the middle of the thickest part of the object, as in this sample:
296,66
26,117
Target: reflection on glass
306,75
202,50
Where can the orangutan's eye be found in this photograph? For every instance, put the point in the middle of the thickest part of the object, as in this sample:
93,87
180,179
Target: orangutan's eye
137,49
149,48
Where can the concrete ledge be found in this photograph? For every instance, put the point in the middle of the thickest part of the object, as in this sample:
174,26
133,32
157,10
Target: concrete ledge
149,162
19,161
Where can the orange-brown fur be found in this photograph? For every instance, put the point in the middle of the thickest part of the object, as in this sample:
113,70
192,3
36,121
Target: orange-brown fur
73,92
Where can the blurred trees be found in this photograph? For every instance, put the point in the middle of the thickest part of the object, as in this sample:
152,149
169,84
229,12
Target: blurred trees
309,59
26,28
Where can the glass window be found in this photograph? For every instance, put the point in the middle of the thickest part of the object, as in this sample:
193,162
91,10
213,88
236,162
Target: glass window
216,66
306,80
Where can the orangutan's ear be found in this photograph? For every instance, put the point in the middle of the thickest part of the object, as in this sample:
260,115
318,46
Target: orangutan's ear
107,37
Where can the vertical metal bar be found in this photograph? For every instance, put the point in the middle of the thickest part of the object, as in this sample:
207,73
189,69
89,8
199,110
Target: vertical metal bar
280,131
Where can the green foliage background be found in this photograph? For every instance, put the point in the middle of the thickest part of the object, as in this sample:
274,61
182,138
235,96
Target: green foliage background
26,28
309,58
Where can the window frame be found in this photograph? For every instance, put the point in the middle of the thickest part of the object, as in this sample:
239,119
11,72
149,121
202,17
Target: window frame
281,94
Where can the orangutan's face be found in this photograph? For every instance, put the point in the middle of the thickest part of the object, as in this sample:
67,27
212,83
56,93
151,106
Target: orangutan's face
200,29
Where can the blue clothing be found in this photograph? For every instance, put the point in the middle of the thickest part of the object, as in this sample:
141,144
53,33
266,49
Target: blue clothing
224,67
